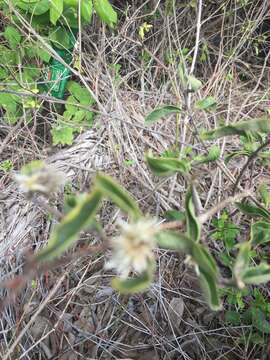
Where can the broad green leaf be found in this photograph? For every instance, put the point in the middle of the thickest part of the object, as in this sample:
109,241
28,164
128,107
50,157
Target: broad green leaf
260,232
261,125
164,166
86,10
80,93
117,194
65,233
204,260
133,285
61,38
252,210
158,113
8,57
13,36
241,263
62,134
193,225
56,10
256,275
175,215
194,83
174,241
106,12
208,103
33,7
259,321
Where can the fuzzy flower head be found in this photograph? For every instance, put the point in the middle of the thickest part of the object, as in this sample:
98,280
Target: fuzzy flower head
133,249
39,177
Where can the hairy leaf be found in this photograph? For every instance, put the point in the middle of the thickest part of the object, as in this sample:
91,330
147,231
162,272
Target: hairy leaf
165,166
158,113
259,321
260,232
193,225
65,233
257,275
209,103
241,128
133,285
241,263
252,210
117,194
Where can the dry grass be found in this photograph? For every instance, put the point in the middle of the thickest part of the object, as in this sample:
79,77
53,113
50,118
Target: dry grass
71,312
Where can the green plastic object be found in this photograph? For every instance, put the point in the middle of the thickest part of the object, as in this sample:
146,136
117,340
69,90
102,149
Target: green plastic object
58,74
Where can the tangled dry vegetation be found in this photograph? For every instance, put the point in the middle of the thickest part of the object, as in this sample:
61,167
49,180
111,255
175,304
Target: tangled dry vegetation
71,312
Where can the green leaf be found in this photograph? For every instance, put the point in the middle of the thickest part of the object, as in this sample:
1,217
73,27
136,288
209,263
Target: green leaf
260,232
193,225
174,241
209,287
259,321
158,113
86,10
194,83
117,194
164,166
251,210
208,103
213,155
60,38
134,285
175,215
80,93
256,125
62,134
65,233
241,263
106,12
33,7
264,194
257,275
233,317
56,10
13,37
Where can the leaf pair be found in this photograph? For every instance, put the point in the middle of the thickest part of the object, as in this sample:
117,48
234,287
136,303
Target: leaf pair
83,213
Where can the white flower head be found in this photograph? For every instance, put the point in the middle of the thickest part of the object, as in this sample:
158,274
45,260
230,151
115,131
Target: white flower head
133,248
39,177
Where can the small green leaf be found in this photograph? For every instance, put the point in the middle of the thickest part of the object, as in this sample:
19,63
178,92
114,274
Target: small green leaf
164,166
251,210
241,263
256,275
62,134
134,285
233,317
117,194
261,125
208,103
260,232
213,155
259,321
65,233
264,194
193,225
80,93
13,36
56,10
106,12
194,83
158,113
